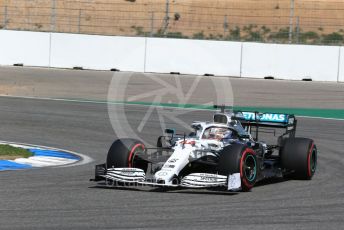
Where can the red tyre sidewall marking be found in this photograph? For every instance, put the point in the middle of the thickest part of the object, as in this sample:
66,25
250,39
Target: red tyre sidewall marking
309,168
243,179
132,152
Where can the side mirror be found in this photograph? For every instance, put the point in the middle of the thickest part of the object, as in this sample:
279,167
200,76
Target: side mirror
170,131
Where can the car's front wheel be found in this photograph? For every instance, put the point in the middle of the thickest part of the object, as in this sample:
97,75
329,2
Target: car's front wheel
124,153
238,158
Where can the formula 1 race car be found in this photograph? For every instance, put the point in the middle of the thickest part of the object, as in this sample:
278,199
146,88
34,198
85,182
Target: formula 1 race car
223,153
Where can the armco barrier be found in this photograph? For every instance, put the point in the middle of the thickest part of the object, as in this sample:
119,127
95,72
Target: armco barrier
97,52
292,62
21,47
193,56
341,65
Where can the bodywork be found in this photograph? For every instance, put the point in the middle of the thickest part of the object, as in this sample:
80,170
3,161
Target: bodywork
192,160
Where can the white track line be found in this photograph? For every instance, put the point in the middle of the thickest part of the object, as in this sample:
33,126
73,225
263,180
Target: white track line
323,118
119,103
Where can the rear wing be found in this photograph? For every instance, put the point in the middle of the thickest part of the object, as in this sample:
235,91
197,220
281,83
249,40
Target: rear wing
250,120
270,120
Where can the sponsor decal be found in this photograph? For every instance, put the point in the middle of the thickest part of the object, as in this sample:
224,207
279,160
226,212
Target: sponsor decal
234,182
127,173
207,178
162,173
174,160
268,117
128,170
169,166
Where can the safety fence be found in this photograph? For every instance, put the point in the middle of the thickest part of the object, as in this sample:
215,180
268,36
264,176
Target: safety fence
282,21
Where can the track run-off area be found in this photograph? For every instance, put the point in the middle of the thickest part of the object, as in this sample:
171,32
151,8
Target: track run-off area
68,109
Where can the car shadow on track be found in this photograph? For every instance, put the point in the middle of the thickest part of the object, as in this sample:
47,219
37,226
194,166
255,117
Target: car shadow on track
214,191
206,192
270,181
103,186
166,190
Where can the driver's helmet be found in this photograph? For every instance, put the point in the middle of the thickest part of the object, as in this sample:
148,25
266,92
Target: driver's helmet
218,133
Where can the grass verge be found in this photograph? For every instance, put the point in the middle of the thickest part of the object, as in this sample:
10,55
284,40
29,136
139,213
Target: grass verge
8,152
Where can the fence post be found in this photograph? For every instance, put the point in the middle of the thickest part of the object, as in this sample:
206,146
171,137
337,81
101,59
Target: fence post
53,15
225,26
152,24
167,18
291,21
79,21
297,29
5,17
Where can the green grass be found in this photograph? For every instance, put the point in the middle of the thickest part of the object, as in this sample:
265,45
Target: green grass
8,152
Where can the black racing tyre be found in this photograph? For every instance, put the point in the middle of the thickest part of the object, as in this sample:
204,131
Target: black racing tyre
299,156
238,158
122,154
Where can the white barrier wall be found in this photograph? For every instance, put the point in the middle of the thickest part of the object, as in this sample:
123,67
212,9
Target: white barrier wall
161,55
28,48
293,62
97,52
193,56
341,65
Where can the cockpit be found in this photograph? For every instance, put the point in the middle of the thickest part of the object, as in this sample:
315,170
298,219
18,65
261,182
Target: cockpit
217,133
221,128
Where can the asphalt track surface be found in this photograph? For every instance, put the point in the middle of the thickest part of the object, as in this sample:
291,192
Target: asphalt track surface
63,198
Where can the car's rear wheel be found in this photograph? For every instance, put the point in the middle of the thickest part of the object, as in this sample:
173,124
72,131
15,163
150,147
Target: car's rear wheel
124,153
238,158
299,156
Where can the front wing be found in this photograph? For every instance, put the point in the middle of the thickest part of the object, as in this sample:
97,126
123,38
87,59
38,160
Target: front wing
136,176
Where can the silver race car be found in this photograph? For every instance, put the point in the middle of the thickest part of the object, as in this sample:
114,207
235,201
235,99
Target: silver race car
224,153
